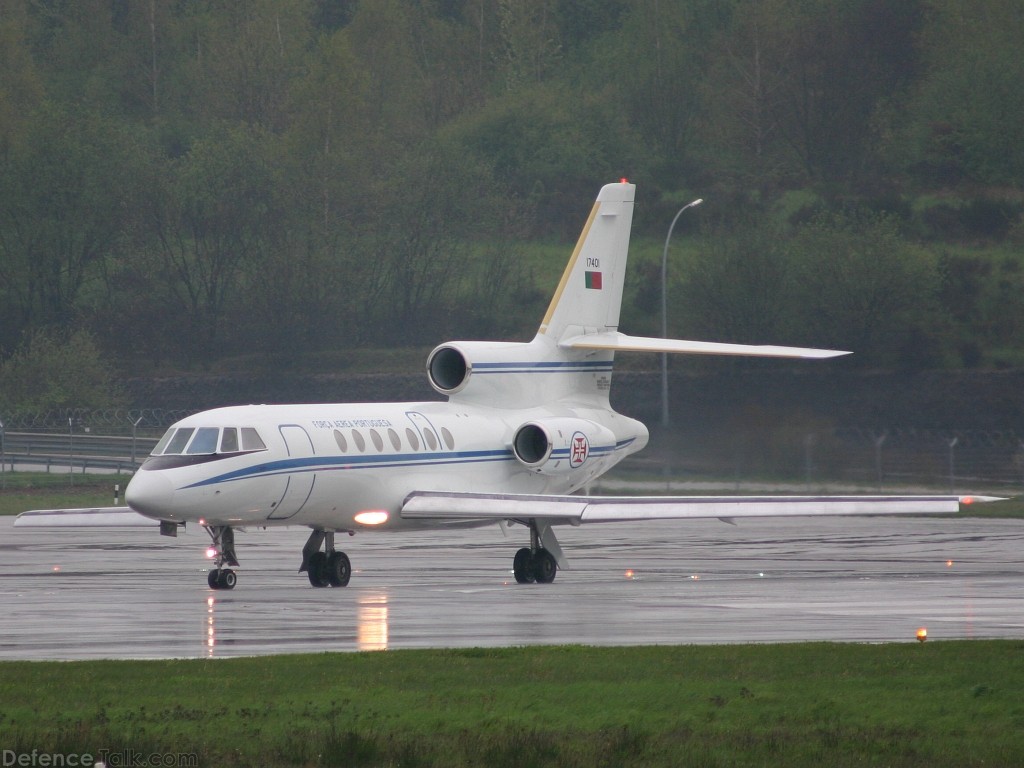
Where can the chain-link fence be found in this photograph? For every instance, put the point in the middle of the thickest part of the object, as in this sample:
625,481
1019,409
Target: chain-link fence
79,439
858,456
862,456
111,421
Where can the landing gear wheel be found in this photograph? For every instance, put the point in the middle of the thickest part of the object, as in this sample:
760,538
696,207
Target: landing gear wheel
522,566
318,575
544,566
213,578
227,579
339,569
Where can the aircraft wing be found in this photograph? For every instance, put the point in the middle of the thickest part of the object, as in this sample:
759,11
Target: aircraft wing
86,517
576,510
623,343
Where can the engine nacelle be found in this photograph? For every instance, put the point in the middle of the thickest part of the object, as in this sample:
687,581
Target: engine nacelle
488,372
560,446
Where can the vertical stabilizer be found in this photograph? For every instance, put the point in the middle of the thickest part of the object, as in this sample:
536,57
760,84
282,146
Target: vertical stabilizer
589,296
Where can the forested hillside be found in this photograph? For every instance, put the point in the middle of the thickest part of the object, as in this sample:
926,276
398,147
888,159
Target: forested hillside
193,180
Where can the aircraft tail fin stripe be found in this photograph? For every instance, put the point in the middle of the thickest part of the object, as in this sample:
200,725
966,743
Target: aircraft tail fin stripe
589,294
568,270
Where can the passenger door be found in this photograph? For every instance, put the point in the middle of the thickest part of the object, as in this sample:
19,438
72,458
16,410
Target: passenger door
300,480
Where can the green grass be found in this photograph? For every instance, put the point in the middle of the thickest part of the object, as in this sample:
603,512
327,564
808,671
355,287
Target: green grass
55,490
937,704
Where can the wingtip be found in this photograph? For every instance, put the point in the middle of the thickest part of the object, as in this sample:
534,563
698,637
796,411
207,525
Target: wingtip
972,499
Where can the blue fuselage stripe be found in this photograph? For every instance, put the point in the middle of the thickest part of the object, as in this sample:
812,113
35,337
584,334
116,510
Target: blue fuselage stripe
404,460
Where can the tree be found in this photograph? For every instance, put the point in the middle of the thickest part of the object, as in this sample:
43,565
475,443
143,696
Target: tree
213,217
530,46
21,87
858,285
63,205
967,114
732,290
795,87
52,370
425,217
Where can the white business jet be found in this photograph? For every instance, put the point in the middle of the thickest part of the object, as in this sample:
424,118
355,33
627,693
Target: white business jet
525,425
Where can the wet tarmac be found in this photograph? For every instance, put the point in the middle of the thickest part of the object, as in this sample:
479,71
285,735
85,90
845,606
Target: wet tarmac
104,593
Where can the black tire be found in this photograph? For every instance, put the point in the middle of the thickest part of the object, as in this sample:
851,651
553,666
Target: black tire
213,578
227,579
522,566
318,570
544,567
339,569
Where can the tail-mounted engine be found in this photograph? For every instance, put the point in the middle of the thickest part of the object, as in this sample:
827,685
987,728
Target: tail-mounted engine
559,446
449,369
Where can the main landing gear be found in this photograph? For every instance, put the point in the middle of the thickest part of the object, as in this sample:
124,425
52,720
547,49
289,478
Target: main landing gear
223,538
537,562
328,567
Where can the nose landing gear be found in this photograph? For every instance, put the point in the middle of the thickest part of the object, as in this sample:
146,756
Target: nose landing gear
223,538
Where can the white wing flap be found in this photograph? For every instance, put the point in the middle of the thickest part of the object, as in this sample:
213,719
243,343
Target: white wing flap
607,509
621,342
87,517
477,506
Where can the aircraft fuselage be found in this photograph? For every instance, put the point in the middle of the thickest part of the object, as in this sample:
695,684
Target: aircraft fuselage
323,465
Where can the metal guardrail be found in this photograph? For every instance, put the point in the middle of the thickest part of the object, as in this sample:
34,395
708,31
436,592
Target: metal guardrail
75,451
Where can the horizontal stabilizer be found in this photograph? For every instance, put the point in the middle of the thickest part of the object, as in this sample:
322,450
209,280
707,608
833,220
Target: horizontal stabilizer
89,517
575,510
614,340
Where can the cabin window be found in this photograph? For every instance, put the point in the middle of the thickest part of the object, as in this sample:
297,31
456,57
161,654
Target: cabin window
396,441
180,440
358,439
251,440
163,442
448,439
205,441
229,440
378,443
413,440
341,441
428,436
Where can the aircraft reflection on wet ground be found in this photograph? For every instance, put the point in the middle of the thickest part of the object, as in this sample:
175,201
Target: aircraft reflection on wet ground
131,594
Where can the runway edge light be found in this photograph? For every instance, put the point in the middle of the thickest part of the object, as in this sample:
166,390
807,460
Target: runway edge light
922,634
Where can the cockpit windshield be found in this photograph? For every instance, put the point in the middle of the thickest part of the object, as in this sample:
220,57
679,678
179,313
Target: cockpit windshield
205,441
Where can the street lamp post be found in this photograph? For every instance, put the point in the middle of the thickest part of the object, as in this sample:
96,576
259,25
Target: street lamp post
664,310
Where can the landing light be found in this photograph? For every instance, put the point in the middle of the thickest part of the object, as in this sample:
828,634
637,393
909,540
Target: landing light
372,517
211,552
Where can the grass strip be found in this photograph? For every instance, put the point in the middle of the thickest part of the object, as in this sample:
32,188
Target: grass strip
52,490
937,704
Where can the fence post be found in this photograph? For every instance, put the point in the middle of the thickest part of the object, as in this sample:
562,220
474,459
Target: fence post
71,451
879,441
809,457
135,425
952,463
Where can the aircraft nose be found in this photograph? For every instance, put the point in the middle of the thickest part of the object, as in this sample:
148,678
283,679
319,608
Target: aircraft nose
150,493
